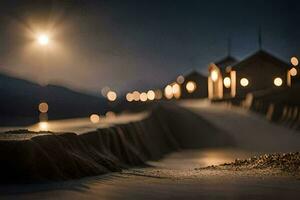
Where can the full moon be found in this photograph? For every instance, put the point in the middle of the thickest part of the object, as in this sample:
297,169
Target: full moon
43,39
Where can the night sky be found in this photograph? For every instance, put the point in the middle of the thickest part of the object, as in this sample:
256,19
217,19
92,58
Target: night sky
130,45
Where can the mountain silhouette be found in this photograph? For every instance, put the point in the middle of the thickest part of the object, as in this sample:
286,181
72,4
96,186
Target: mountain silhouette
19,100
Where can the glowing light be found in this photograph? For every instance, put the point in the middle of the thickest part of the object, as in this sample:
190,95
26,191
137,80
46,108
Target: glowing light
244,82
129,97
191,86
169,92
43,126
151,95
143,96
293,71
278,82
176,90
214,75
180,79
43,39
294,61
111,96
43,107
136,96
94,118
227,82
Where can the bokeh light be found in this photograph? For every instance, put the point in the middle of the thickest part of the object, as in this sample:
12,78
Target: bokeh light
143,96
129,97
151,95
278,81
180,79
43,107
293,71
176,90
136,96
190,86
94,118
169,92
244,82
227,82
294,61
111,96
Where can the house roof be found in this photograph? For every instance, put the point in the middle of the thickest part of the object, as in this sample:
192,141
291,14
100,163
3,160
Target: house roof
225,62
261,55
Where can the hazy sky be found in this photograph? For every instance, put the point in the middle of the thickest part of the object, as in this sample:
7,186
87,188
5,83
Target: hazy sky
137,44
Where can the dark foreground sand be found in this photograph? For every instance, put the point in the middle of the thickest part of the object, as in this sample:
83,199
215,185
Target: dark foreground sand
166,183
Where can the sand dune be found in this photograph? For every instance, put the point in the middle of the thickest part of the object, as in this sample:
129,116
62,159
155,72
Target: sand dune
50,157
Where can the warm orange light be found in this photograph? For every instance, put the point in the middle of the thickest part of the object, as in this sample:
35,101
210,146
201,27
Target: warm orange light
43,39
227,82
111,96
129,97
180,79
244,82
191,86
169,92
143,96
278,82
136,96
214,75
294,61
176,90
94,118
293,71
43,126
151,95
43,107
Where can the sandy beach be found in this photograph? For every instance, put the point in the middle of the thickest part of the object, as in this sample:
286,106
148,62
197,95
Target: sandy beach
185,172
